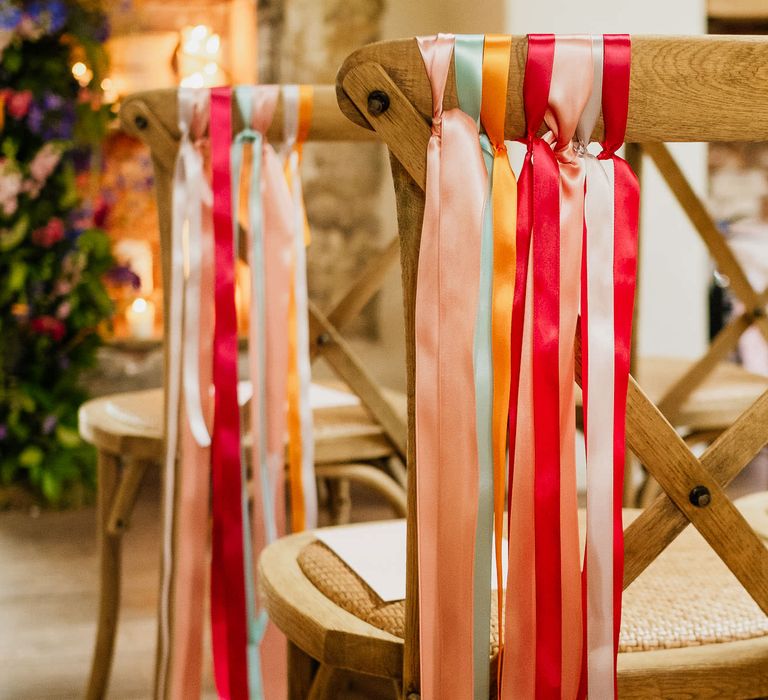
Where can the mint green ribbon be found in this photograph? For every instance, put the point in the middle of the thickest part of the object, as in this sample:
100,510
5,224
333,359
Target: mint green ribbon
468,59
257,620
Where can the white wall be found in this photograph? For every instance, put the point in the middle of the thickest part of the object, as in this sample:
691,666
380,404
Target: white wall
674,267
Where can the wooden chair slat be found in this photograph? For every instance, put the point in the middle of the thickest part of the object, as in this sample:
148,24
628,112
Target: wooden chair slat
683,88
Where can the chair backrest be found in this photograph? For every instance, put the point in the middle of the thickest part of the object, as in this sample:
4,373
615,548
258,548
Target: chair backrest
153,117
682,89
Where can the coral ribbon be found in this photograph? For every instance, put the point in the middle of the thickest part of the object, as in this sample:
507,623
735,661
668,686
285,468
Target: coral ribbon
504,206
228,603
185,510
298,114
446,440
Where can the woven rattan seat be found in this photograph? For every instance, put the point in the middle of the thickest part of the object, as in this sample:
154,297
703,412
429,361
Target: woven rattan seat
687,597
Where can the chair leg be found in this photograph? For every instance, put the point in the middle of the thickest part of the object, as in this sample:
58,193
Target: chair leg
125,498
339,501
370,477
301,671
329,682
109,594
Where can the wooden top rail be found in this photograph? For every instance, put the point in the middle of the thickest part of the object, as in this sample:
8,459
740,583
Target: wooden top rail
708,88
152,116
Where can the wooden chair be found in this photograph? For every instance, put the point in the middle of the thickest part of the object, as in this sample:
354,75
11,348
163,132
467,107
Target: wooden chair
681,619
351,442
704,397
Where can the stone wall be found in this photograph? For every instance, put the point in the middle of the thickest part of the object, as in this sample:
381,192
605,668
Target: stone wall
342,181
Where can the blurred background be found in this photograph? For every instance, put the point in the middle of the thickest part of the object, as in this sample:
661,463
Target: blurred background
80,279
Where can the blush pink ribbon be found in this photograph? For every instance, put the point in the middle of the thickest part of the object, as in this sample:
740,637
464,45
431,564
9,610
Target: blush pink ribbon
569,93
188,411
273,251
446,441
611,211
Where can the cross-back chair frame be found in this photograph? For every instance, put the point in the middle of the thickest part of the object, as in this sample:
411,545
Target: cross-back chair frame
681,89
152,117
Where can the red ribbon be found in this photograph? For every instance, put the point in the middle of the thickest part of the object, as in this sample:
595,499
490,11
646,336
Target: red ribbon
228,610
538,73
617,58
541,191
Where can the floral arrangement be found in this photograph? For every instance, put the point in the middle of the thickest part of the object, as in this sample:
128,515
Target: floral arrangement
53,258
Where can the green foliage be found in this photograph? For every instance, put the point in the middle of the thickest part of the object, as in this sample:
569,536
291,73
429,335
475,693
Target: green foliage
52,259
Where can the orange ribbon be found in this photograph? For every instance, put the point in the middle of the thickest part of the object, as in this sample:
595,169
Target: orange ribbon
295,438
504,201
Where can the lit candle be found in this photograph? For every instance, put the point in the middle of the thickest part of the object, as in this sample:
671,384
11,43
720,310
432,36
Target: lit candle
141,318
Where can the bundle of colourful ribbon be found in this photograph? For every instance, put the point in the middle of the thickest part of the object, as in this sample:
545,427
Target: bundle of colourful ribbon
525,285
206,477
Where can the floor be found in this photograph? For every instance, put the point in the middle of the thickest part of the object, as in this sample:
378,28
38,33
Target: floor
48,602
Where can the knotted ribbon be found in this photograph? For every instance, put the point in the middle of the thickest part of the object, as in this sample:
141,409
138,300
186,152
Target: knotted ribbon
297,105
271,240
468,61
573,244
185,510
611,213
504,207
228,597
538,182
446,446
570,90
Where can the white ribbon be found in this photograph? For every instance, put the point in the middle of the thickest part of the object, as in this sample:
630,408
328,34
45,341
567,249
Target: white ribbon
599,224
190,190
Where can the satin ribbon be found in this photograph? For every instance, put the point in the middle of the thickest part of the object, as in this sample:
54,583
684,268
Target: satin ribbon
251,138
228,599
468,61
297,101
278,235
536,183
185,515
504,204
611,242
446,439
570,93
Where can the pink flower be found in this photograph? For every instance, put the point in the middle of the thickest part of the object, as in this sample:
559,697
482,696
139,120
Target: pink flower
10,186
18,103
50,326
45,162
65,308
50,234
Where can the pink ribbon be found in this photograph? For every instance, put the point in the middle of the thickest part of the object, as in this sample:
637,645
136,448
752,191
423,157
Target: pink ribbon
446,441
185,513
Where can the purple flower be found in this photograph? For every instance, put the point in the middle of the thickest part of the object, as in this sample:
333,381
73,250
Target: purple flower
3,431
52,14
122,275
49,424
10,16
35,118
52,101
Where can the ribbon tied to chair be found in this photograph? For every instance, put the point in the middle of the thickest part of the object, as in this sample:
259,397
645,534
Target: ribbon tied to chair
188,411
536,253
